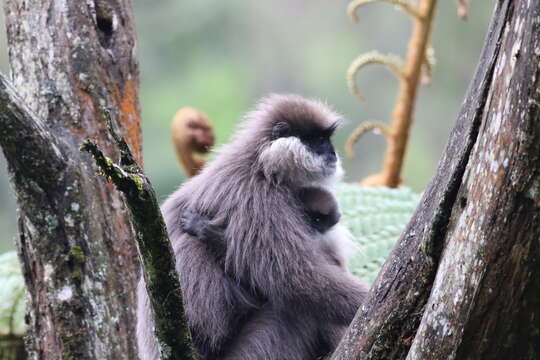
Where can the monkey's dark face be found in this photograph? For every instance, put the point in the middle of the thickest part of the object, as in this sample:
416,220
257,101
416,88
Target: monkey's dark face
316,139
303,154
294,143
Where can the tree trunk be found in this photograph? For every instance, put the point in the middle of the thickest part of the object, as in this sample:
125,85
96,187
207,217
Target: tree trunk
464,279
70,60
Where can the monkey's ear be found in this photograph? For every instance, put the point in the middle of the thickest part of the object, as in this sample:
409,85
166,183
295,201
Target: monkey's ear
281,129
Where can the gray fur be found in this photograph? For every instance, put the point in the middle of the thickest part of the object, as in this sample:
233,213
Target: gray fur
278,296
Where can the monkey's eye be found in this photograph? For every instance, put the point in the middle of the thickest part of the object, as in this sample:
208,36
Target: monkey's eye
281,129
330,131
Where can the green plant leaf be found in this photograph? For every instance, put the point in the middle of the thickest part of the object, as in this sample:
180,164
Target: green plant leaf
376,217
12,296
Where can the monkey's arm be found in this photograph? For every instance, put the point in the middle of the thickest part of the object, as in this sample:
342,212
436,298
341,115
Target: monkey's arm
334,294
309,282
215,304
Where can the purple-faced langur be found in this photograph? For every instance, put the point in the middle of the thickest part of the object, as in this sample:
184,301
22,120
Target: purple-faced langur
278,287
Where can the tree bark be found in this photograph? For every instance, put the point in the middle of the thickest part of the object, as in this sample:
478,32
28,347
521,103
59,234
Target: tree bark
69,61
464,279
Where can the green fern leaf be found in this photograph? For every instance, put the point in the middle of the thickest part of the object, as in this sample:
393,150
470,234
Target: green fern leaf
12,296
376,217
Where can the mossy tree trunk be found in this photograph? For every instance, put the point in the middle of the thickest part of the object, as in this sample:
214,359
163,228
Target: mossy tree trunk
69,61
464,279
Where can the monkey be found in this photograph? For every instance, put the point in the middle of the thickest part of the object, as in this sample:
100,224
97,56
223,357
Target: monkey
321,208
323,214
321,211
276,295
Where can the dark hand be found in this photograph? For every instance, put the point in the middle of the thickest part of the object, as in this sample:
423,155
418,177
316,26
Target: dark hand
194,223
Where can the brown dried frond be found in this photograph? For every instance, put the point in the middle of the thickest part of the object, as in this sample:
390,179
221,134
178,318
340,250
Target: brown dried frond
403,4
376,127
418,67
376,180
192,134
393,62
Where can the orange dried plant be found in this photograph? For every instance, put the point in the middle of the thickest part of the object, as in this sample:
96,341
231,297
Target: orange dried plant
192,135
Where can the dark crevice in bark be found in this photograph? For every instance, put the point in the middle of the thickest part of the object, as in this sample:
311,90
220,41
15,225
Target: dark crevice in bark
104,23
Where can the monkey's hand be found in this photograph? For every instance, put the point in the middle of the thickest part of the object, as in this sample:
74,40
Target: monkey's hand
194,224
200,227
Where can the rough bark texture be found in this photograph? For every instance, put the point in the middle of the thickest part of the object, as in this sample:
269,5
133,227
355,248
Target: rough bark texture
485,301
477,224
69,60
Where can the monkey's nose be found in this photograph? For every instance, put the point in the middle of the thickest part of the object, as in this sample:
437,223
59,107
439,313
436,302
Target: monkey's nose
331,157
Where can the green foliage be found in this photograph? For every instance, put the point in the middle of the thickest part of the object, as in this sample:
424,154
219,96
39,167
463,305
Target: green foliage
12,296
376,217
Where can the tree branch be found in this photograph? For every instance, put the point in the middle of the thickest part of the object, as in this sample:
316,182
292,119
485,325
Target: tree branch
28,145
154,247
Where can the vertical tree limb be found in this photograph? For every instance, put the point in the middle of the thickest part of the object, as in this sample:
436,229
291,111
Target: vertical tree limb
386,324
485,301
69,59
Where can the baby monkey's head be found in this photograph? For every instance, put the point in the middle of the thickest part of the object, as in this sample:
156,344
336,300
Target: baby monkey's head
320,207
297,146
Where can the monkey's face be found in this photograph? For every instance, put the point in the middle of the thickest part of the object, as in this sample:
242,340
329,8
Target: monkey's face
300,154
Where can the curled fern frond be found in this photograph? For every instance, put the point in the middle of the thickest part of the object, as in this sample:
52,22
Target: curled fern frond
376,127
393,62
403,4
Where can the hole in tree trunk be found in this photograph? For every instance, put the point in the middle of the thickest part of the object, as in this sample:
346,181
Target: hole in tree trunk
104,24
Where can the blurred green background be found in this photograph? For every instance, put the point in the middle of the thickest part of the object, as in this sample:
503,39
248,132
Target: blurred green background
221,56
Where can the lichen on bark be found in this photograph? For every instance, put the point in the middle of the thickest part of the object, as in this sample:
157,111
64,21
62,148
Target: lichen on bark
155,250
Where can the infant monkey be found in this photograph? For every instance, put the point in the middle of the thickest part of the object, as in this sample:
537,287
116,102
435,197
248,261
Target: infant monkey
321,212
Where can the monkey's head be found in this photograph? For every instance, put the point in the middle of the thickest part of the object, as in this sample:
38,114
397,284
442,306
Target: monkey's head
320,207
295,145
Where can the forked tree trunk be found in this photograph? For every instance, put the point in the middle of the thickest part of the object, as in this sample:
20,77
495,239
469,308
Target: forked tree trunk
462,283
70,60
464,279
